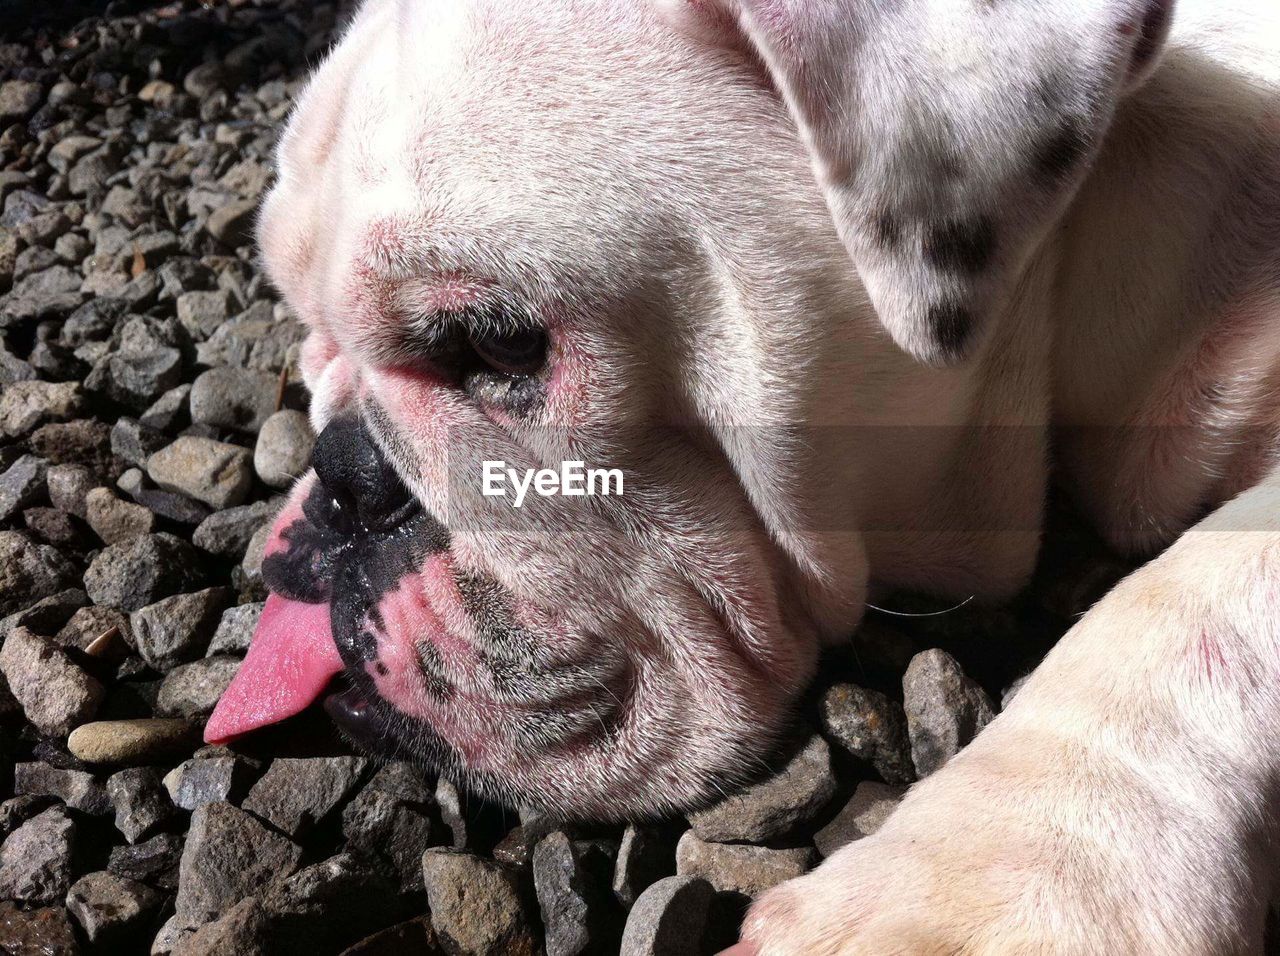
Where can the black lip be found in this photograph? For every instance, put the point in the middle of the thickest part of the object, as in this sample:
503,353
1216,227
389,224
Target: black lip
357,717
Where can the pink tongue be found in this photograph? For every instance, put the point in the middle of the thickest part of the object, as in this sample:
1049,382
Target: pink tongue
290,661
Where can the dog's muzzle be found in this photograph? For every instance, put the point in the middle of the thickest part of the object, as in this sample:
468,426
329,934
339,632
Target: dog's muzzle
359,532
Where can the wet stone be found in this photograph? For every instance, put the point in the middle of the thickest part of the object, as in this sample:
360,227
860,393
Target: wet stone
862,816
111,908
295,793
740,868
872,728
774,806
669,918
36,858
944,708
56,695
476,905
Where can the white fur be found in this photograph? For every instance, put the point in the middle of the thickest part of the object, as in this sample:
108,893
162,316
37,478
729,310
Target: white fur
647,171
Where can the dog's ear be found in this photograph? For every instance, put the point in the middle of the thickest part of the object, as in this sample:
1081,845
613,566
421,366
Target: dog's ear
947,135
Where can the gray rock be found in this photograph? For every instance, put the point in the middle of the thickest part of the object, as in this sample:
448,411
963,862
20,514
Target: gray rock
109,907
153,861
775,805
232,224
47,614
210,471
234,398
171,505
205,80
227,533
177,629
669,918
169,412
141,571
576,912
236,628
12,368
645,856
50,292
30,572
331,903
380,824
69,486
229,855
147,363
201,780
202,311
135,442
36,859
133,741
192,690
253,340
25,406
114,520
871,727
76,788
16,811
18,100
739,868
862,816
476,905
944,708
23,484
88,624
244,930
92,322
56,695
452,814
140,802
296,793
283,452
67,150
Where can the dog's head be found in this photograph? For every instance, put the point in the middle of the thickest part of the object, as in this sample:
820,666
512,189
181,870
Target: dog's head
589,231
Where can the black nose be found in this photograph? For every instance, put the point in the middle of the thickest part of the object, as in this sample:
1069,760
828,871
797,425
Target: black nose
362,491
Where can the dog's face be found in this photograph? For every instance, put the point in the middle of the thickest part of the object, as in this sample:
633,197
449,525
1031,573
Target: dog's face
533,233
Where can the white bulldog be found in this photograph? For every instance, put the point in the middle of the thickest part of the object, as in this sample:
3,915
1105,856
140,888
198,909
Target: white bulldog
828,280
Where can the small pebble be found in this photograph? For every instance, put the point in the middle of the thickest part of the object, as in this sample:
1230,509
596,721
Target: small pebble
56,695
214,472
740,868
669,918
109,907
283,451
862,816
944,708
476,905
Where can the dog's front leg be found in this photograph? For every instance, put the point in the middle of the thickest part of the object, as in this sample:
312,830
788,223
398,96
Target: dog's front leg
1125,803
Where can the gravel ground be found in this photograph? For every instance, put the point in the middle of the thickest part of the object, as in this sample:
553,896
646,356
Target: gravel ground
150,419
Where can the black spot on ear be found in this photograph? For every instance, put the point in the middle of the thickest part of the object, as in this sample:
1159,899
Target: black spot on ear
952,326
888,231
965,247
1062,151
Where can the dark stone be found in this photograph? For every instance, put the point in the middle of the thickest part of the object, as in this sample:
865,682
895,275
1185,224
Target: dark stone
139,572
669,918
872,727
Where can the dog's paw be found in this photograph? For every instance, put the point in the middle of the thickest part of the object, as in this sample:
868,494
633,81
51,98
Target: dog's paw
1012,850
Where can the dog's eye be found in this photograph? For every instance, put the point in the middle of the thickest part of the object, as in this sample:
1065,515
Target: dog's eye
518,351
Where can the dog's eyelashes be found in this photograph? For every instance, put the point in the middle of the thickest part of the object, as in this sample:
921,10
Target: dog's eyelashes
517,351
